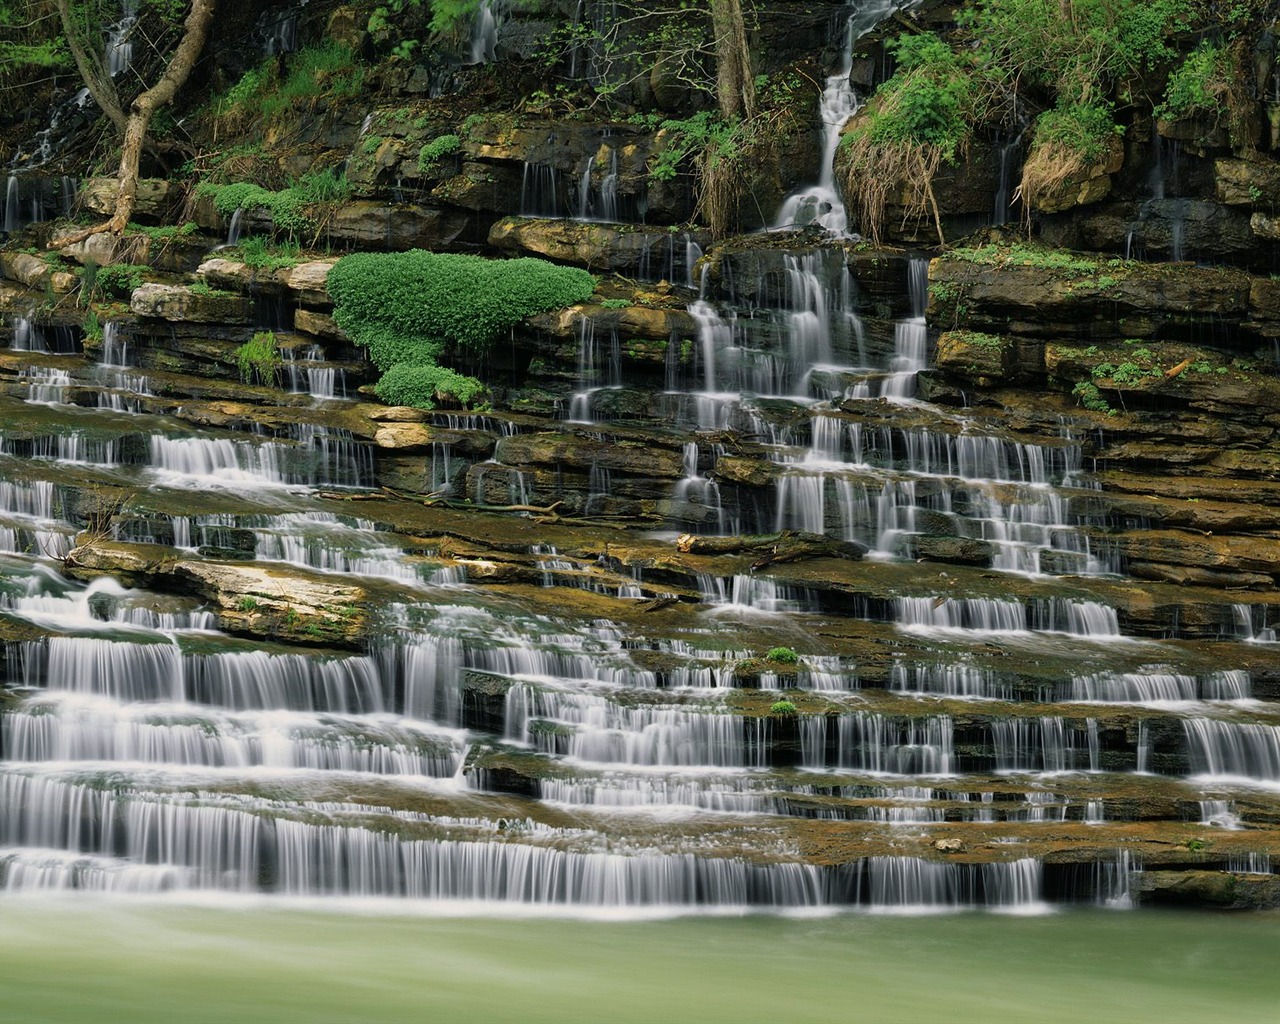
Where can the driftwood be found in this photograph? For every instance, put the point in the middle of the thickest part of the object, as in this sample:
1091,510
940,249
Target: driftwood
786,546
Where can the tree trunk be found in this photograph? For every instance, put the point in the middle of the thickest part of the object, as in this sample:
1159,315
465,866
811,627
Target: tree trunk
194,33
735,84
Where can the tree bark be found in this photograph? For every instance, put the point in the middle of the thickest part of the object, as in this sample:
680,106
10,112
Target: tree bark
195,32
735,84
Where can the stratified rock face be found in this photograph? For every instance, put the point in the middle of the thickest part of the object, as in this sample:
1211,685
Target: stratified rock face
744,534
1122,299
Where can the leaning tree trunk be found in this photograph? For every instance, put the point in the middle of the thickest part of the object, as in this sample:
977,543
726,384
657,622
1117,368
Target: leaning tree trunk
735,85
194,33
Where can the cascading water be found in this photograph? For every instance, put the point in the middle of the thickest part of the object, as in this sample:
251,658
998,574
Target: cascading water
821,204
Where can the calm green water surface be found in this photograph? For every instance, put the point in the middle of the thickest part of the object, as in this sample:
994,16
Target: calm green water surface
70,960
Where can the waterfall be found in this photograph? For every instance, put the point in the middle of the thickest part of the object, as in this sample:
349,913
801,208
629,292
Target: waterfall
907,883
821,203
484,33
12,206
910,336
119,51
1233,749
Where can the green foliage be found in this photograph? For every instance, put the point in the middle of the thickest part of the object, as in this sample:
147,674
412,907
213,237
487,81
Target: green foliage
92,327
433,152
1090,397
422,386
1083,129
258,357
928,101
408,308
293,209
1077,48
257,252
1028,254
1191,88
247,604
330,70
703,133
615,303
783,655
165,232
782,707
394,301
119,280
1124,374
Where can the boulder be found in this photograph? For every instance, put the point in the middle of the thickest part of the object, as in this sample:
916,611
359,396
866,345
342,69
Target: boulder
373,224
176,302
319,325
601,247
153,202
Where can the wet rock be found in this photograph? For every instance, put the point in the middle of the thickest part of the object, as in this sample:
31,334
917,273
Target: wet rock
494,188
1204,551
393,226
33,272
319,325
180,303
1092,184
1220,889
558,449
269,601
1134,300
984,359
608,247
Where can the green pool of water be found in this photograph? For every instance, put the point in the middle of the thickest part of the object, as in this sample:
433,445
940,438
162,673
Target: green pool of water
93,960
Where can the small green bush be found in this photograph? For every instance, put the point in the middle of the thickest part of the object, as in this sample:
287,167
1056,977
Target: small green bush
423,386
257,252
293,209
433,152
782,707
1199,84
784,655
119,280
1084,129
258,357
399,303
408,308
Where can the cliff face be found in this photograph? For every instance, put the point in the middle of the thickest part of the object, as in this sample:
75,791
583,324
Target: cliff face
981,539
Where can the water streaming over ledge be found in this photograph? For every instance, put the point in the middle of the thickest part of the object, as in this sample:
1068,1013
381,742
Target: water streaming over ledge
482,744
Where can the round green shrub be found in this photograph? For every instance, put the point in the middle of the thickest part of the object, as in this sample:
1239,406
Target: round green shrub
782,707
784,655
396,302
422,386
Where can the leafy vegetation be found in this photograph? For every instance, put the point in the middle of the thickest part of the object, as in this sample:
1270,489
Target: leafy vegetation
264,92
1088,395
117,281
918,120
260,254
783,655
431,155
259,358
782,707
300,207
409,308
